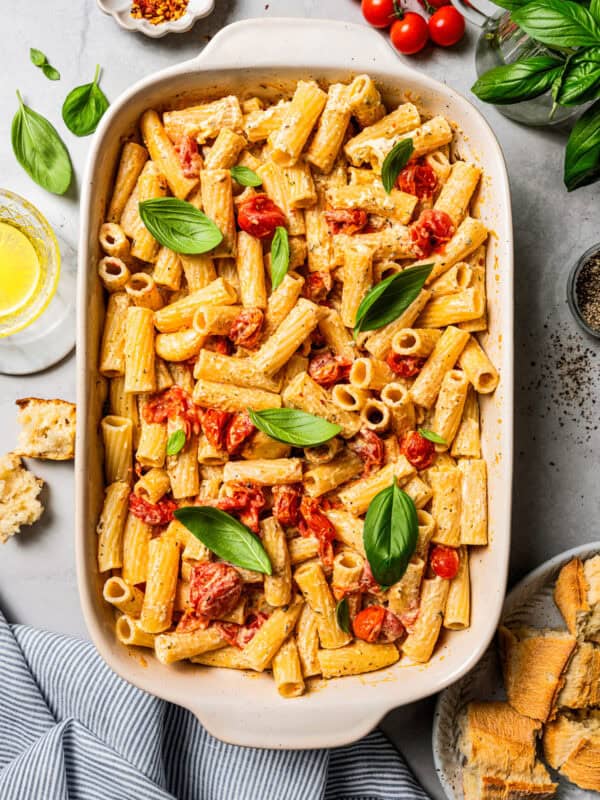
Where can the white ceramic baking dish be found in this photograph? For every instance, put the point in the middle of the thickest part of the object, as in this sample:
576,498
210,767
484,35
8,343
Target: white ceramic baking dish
258,56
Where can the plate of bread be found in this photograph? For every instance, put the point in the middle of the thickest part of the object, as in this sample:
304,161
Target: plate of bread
525,722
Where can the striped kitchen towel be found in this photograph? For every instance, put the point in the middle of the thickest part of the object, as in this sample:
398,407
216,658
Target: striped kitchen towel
70,729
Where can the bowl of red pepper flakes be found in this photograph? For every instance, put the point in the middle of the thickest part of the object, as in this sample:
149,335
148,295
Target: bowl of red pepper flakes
583,291
156,18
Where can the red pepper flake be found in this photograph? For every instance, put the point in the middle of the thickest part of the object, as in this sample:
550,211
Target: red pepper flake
158,11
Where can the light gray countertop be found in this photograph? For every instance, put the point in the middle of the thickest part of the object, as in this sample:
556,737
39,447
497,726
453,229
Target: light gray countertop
556,499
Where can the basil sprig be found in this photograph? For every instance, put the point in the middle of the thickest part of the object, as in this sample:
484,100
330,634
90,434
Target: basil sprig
280,256
225,536
390,534
580,79
84,107
523,80
342,615
395,160
40,60
432,436
179,225
390,298
558,23
582,157
291,426
175,442
40,150
245,176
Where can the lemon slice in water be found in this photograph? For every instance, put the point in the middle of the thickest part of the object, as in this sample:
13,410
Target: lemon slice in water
19,270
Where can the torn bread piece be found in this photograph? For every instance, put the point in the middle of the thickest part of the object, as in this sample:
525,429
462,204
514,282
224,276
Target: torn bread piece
572,746
533,662
499,745
577,595
19,490
582,678
47,429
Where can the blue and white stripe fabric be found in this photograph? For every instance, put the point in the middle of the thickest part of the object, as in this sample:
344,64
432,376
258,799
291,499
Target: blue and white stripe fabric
70,729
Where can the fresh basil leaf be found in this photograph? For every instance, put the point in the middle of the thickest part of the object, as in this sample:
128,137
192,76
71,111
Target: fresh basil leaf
291,426
39,150
179,225
595,9
580,80
37,57
432,436
280,256
226,537
84,107
582,157
390,534
175,442
390,298
342,615
50,72
558,23
395,160
522,80
245,176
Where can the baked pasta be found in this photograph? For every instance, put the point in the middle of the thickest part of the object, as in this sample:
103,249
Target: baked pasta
209,353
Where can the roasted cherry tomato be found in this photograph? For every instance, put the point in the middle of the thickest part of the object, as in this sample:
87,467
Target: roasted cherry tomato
430,231
418,450
405,366
410,34
378,13
367,623
327,369
369,447
346,220
215,589
444,561
160,513
246,329
418,178
447,26
259,216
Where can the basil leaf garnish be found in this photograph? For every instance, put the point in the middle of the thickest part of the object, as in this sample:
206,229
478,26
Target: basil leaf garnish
342,615
175,442
280,256
582,157
245,176
395,160
390,534
558,23
390,298
39,150
84,107
179,225
37,58
580,79
522,80
225,536
50,72
432,436
291,426
595,9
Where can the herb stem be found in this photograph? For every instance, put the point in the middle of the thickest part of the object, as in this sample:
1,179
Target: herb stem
97,73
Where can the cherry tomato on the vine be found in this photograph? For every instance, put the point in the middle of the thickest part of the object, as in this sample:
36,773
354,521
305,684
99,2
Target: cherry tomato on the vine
431,5
378,13
410,34
447,26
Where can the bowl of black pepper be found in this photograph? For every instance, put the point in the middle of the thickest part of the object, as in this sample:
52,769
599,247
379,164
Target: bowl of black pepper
583,291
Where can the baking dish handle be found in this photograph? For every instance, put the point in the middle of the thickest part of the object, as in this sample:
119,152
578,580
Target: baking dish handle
296,43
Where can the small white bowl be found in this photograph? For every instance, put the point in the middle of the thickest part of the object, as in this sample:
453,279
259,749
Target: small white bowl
120,11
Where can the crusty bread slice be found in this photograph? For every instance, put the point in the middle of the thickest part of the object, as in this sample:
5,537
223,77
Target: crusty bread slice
499,745
533,662
577,595
47,429
572,745
498,738
19,489
582,678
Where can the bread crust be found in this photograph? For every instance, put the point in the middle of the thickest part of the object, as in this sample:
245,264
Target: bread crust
570,593
582,678
533,662
19,490
47,428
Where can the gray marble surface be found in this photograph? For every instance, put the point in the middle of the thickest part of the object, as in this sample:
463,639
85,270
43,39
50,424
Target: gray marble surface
556,500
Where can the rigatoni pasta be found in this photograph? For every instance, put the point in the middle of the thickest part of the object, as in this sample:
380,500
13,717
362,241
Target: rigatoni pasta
194,342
